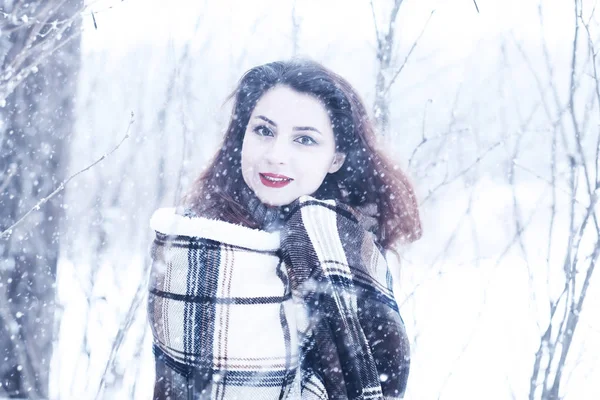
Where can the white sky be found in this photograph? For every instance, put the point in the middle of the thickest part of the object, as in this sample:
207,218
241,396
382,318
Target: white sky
123,23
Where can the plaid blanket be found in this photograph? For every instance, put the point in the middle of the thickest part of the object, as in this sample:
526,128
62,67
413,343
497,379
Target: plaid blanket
304,313
355,345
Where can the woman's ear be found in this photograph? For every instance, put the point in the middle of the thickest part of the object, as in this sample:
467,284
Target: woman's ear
337,162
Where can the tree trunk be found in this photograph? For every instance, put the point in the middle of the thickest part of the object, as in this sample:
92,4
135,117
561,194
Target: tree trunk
381,108
36,121
385,48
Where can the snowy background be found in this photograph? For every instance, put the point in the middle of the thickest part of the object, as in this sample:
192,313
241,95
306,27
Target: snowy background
490,116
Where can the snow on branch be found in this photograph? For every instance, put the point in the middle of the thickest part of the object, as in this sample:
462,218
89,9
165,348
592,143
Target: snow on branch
42,31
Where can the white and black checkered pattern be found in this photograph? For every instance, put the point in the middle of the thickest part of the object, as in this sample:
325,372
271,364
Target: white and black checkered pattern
305,313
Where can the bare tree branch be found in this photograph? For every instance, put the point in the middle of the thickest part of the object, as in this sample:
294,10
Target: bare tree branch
12,170
459,174
412,48
124,328
7,232
39,44
377,34
295,30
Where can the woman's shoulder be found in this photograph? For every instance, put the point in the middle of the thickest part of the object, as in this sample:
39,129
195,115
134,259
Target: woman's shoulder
172,221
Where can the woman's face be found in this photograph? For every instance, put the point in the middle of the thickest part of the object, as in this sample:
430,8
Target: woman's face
288,146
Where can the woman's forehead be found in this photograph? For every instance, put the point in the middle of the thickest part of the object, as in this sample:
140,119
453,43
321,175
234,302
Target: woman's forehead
285,106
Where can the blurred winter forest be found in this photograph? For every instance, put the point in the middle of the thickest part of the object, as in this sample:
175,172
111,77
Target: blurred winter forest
491,106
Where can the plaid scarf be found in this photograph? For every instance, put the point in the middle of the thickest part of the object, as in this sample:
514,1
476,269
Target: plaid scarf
305,312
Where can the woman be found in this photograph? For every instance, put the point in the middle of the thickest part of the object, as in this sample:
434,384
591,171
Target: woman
269,282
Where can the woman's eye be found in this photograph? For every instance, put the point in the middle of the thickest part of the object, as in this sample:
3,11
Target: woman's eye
306,140
262,130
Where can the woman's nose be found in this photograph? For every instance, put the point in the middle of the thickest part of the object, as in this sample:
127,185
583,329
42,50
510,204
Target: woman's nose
278,152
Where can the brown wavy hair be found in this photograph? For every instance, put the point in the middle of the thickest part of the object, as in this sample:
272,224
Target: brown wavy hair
367,175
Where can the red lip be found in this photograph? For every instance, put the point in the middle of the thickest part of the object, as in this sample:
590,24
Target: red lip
269,183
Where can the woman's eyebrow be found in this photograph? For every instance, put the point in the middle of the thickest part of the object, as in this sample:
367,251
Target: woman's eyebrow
296,128
307,128
266,120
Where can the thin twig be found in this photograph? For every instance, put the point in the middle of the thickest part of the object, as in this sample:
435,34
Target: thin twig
124,328
375,23
12,170
7,232
412,48
597,92
461,173
546,180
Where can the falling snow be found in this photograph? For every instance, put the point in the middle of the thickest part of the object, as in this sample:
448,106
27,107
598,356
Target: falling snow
494,129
